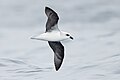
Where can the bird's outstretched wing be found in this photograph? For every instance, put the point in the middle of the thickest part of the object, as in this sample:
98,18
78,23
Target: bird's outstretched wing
52,19
58,50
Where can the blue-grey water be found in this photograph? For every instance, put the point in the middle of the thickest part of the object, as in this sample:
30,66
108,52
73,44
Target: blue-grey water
94,54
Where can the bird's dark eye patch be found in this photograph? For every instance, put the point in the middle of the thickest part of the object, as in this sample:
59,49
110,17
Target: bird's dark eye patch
67,35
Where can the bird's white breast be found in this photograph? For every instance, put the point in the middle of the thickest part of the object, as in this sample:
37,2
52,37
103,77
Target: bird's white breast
51,36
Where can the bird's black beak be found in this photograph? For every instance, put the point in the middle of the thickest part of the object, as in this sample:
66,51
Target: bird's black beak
71,37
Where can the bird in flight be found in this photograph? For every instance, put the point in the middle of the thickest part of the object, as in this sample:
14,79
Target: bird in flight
53,35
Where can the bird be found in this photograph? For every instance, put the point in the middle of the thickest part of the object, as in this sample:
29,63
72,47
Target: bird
54,36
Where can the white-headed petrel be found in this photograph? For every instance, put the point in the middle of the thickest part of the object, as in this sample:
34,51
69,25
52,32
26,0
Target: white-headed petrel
53,35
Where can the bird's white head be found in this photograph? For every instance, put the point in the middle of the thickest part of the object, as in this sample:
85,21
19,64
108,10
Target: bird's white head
67,35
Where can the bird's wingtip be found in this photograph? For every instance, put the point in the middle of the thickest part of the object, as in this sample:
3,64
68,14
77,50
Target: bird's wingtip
56,69
46,7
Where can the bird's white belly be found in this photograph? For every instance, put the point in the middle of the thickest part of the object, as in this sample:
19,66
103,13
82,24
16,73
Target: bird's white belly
51,37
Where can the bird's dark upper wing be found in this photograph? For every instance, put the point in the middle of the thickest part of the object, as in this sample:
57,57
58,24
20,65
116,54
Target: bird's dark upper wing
52,19
58,50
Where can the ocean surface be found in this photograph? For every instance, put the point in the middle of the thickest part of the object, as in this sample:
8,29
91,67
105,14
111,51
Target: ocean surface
94,54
